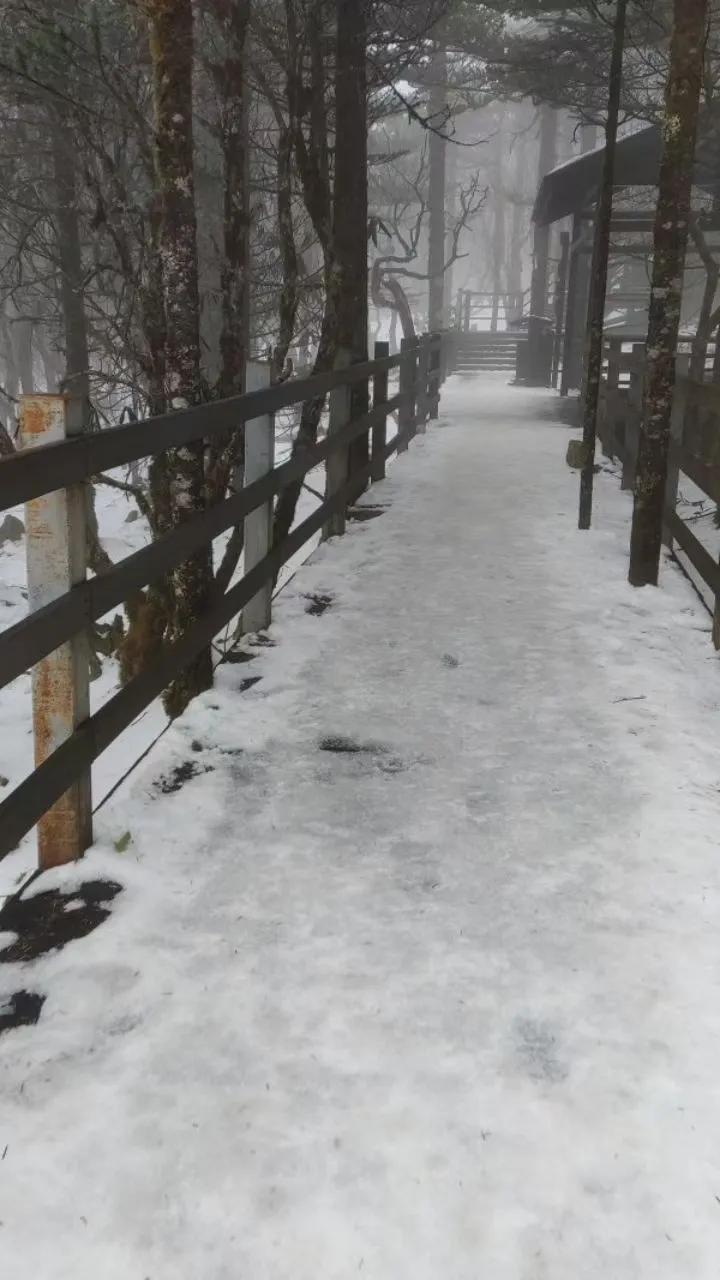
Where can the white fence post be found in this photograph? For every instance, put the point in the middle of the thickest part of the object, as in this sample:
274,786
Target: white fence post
259,459
56,558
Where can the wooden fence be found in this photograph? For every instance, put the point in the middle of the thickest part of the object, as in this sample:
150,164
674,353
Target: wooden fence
694,451
64,602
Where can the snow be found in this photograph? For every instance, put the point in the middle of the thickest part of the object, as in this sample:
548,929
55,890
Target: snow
119,539
447,1006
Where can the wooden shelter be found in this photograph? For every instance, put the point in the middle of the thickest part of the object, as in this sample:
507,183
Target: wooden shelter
570,191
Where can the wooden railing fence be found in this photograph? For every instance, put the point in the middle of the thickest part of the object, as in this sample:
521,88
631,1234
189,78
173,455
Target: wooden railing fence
694,452
49,477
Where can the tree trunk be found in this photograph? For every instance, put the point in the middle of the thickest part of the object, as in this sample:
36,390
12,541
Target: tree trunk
11,381
76,381
541,247
670,243
517,225
394,346
288,253
309,423
451,210
499,251
226,455
600,259
437,188
21,337
178,479
311,151
232,17
350,202
51,360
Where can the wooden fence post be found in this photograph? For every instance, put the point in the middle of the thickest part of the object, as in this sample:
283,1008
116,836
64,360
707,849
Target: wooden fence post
259,459
337,472
633,416
677,425
436,375
466,311
611,400
446,354
379,431
406,413
422,376
56,535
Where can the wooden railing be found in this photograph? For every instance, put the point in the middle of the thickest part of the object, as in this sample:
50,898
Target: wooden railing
56,795
694,450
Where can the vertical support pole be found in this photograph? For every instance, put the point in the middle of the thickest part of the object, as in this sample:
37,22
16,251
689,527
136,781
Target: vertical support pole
406,414
379,431
259,459
56,559
423,378
337,467
542,234
677,427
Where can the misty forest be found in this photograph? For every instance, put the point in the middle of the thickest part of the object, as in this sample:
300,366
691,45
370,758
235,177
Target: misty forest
359,638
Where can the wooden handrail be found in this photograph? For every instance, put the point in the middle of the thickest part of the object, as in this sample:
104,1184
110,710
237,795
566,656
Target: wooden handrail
49,468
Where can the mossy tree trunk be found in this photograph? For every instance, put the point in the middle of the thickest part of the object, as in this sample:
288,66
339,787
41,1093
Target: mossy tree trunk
178,478
672,219
350,202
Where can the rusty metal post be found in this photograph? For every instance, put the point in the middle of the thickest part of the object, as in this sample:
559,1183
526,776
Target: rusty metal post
56,558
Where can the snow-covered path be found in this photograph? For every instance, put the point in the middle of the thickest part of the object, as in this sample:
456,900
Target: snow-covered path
441,1008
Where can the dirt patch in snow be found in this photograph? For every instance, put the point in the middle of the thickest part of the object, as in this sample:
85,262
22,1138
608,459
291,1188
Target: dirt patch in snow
341,745
318,603
48,920
21,1010
181,774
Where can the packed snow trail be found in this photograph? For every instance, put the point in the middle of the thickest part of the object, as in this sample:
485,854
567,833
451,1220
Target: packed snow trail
419,976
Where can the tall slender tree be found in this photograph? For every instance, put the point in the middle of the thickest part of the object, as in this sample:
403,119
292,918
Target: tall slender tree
437,189
598,279
178,477
672,222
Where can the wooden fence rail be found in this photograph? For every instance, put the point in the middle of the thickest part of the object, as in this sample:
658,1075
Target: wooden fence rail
62,468
694,450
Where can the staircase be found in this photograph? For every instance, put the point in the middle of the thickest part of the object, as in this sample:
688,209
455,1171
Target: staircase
480,352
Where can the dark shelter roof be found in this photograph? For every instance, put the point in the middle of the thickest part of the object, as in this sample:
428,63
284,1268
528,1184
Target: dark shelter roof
572,186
